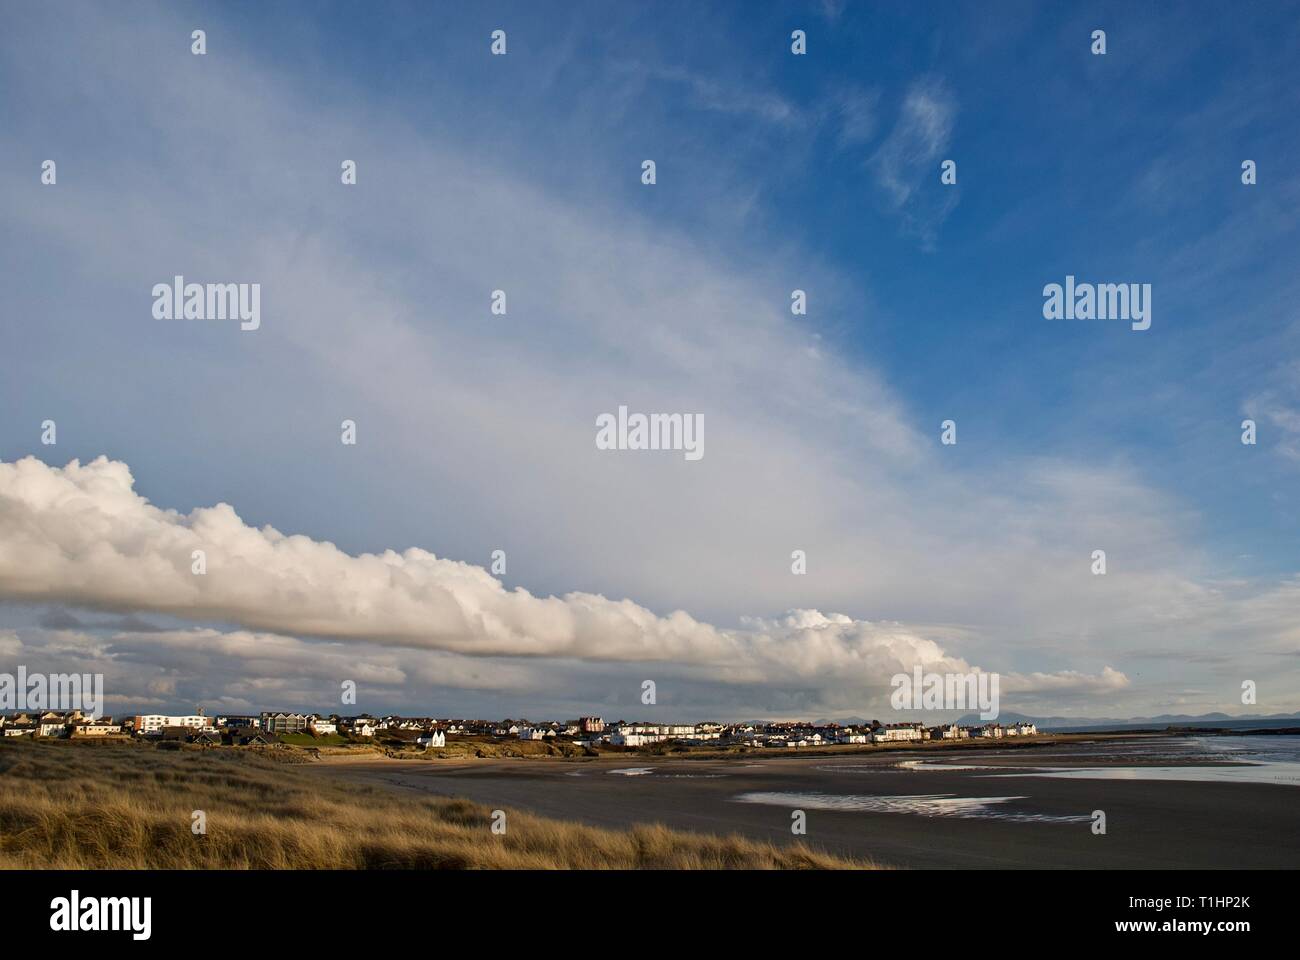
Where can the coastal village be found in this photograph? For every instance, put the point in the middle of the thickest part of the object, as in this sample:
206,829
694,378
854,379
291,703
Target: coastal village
430,733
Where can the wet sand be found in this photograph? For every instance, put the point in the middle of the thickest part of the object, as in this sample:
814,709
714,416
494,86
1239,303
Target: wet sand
894,811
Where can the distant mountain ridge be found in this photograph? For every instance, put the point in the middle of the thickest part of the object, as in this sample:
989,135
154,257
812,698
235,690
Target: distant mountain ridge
1164,719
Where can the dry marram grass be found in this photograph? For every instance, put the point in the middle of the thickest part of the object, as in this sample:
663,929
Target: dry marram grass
128,806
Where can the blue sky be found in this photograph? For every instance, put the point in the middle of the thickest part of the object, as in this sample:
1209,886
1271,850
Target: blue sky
775,172
1122,166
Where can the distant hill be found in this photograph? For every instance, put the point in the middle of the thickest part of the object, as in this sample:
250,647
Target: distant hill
1098,723
843,722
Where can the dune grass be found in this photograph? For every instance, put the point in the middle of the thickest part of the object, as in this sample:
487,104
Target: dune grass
66,805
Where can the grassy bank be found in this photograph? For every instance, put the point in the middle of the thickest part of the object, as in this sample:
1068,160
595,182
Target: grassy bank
66,805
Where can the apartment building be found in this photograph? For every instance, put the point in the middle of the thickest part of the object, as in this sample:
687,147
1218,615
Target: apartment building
152,724
279,723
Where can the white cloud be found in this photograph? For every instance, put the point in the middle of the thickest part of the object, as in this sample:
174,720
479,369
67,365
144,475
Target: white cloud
906,165
711,93
856,111
477,433
81,535
832,10
1279,408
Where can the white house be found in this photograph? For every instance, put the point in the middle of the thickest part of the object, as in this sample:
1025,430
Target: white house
322,727
151,724
104,727
896,731
531,733
631,739
431,738
52,728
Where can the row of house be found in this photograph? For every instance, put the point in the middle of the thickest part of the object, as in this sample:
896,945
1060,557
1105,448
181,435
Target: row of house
797,735
52,723
74,723
633,734
269,727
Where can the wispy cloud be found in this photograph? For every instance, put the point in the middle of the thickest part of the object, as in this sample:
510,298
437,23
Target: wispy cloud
721,96
476,431
832,10
906,165
1279,407
856,115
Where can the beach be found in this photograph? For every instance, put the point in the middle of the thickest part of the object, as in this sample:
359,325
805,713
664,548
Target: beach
1012,809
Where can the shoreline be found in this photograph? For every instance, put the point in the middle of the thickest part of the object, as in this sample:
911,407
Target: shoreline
927,816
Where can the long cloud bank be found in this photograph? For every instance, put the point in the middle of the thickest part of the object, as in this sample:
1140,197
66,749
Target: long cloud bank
81,535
